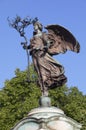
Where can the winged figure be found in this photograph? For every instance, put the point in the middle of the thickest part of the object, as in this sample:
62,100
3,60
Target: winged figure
43,45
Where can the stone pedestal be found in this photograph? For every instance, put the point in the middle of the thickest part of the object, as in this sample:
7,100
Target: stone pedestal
47,117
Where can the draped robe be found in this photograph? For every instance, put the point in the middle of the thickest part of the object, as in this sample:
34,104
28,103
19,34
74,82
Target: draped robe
50,73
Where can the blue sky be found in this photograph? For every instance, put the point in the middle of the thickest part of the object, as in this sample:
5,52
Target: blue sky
70,14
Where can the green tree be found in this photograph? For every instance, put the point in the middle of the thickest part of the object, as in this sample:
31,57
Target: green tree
18,97
72,102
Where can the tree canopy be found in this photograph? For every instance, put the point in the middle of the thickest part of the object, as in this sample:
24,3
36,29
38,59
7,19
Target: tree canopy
18,97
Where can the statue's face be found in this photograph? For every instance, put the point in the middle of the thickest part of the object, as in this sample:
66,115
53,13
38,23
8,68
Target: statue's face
36,27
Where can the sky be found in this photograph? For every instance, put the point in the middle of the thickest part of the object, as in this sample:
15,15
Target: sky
69,14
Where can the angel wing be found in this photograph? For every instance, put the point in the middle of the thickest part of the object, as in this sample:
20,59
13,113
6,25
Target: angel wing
61,40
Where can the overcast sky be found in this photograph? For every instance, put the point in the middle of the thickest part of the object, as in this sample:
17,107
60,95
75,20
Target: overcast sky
70,14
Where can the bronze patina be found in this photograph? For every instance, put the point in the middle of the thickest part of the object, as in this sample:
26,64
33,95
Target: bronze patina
43,45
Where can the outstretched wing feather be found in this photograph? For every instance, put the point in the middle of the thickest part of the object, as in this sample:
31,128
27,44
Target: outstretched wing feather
63,40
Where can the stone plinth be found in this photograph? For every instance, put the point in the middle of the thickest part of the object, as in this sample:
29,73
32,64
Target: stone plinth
47,118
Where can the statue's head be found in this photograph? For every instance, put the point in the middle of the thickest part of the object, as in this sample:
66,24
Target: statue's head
37,25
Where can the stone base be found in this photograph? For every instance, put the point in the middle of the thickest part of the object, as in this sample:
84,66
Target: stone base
54,119
47,118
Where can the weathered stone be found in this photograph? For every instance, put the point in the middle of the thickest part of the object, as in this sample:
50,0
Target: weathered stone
47,118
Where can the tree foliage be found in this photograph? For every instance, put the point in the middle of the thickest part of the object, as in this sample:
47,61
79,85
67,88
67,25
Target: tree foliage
18,97
72,102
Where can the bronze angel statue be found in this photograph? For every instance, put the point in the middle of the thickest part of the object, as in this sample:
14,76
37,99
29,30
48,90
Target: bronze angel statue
43,45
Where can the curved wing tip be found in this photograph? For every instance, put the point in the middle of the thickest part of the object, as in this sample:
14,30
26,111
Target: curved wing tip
77,47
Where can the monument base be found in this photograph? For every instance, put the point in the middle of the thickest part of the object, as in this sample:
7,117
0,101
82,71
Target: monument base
47,117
